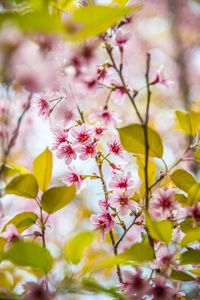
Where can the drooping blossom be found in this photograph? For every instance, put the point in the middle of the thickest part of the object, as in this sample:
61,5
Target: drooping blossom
11,233
194,212
87,150
74,177
37,291
115,147
43,106
61,136
67,152
119,169
163,200
98,130
105,116
121,181
160,290
120,200
82,134
103,222
160,78
134,285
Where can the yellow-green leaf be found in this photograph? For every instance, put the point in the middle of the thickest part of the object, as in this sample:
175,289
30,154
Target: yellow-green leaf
23,185
151,169
183,179
181,199
135,197
189,122
22,221
191,235
2,246
42,169
160,230
75,247
197,155
191,256
18,169
121,3
61,4
6,281
132,139
196,272
56,198
96,19
179,275
193,194
29,254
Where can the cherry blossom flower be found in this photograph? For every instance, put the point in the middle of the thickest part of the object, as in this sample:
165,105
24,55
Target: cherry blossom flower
43,106
161,291
122,38
67,152
121,181
82,134
160,78
98,130
194,212
115,147
87,150
103,222
37,291
134,285
74,177
105,116
61,136
118,169
120,200
163,200
11,233
64,113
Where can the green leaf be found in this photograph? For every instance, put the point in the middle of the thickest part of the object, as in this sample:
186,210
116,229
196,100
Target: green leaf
75,247
197,155
196,272
61,4
16,169
191,235
187,225
3,242
189,122
151,170
23,185
135,197
193,194
181,199
132,139
29,254
96,19
183,179
8,172
22,221
121,3
182,276
56,198
191,256
160,231
42,169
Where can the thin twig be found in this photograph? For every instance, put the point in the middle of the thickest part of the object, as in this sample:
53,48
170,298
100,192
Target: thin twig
15,133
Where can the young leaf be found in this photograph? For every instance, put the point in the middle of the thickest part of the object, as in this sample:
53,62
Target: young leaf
182,276
61,4
193,194
97,19
197,155
183,180
22,221
18,169
181,199
56,198
196,272
191,256
151,169
189,122
75,247
160,231
23,185
132,139
191,235
29,254
42,169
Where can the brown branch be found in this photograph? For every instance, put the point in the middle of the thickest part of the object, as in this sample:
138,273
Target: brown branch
15,134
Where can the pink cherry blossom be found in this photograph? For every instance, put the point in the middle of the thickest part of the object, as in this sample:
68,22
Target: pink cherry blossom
61,136
134,285
120,200
11,233
87,150
163,200
43,106
118,169
64,113
121,181
98,130
122,38
194,212
74,177
103,222
161,291
160,78
82,134
67,152
37,291
115,147
105,116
